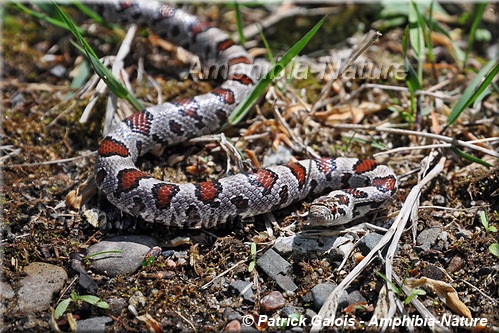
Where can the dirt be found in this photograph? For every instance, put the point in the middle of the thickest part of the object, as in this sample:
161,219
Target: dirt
41,123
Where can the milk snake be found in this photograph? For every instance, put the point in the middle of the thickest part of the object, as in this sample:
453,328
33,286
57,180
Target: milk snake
359,185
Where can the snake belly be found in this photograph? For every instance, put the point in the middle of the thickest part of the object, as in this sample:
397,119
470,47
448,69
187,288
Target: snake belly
358,186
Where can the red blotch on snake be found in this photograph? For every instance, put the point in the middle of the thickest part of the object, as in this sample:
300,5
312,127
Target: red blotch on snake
111,147
129,179
299,172
164,193
365,166
226,95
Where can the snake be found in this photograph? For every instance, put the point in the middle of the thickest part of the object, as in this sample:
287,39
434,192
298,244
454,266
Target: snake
345,188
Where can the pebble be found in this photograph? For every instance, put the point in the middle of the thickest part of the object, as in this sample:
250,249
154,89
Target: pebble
133,247
428,237
298,245
94,325
273,301
137,299
231,314
289,310
309,314
6,292
273,264
368,242
321,292
37,288
286,283
233,326
281,156
116,306
58,70
355,297
17,98
432,271
438,200
455,264
278,269
239,286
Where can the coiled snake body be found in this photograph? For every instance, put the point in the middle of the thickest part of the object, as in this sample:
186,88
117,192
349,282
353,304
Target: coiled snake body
359,185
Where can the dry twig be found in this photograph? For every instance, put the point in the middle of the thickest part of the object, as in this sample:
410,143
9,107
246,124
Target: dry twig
408,211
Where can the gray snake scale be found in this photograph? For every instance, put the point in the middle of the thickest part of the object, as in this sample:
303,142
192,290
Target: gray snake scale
358,186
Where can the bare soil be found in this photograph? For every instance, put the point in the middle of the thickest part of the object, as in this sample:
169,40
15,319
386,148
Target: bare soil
41,121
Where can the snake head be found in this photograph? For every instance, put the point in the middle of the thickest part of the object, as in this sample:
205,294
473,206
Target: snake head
331,210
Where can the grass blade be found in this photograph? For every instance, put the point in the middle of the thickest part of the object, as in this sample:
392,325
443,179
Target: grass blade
416,34
474,89
245,106
477,14
468,157
411,79
113,84
90,13
239,24
54,21
267,46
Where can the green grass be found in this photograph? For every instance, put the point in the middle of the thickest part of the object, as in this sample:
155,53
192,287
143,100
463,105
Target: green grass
243,108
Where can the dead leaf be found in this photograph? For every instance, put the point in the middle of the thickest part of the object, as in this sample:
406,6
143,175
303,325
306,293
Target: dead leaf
445,292
152,324
77,198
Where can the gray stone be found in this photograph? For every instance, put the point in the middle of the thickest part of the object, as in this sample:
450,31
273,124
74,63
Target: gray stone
37,288
428,237
6,292
230,314
309,314
289,310
298,245
368,242
286,283
133,249
116,306
92,325
273,264
355,297
438,200
278,269
321,292
248,329
239,286
281,156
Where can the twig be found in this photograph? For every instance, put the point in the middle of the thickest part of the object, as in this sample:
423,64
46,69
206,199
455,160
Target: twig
329,308
405,89
452,208
410,211
117,69
441,145
440,137
64,160
360,48
7,152
187,320
280,14
223,273
230,150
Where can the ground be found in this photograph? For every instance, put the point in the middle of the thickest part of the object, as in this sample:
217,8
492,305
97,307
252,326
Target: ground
41,123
